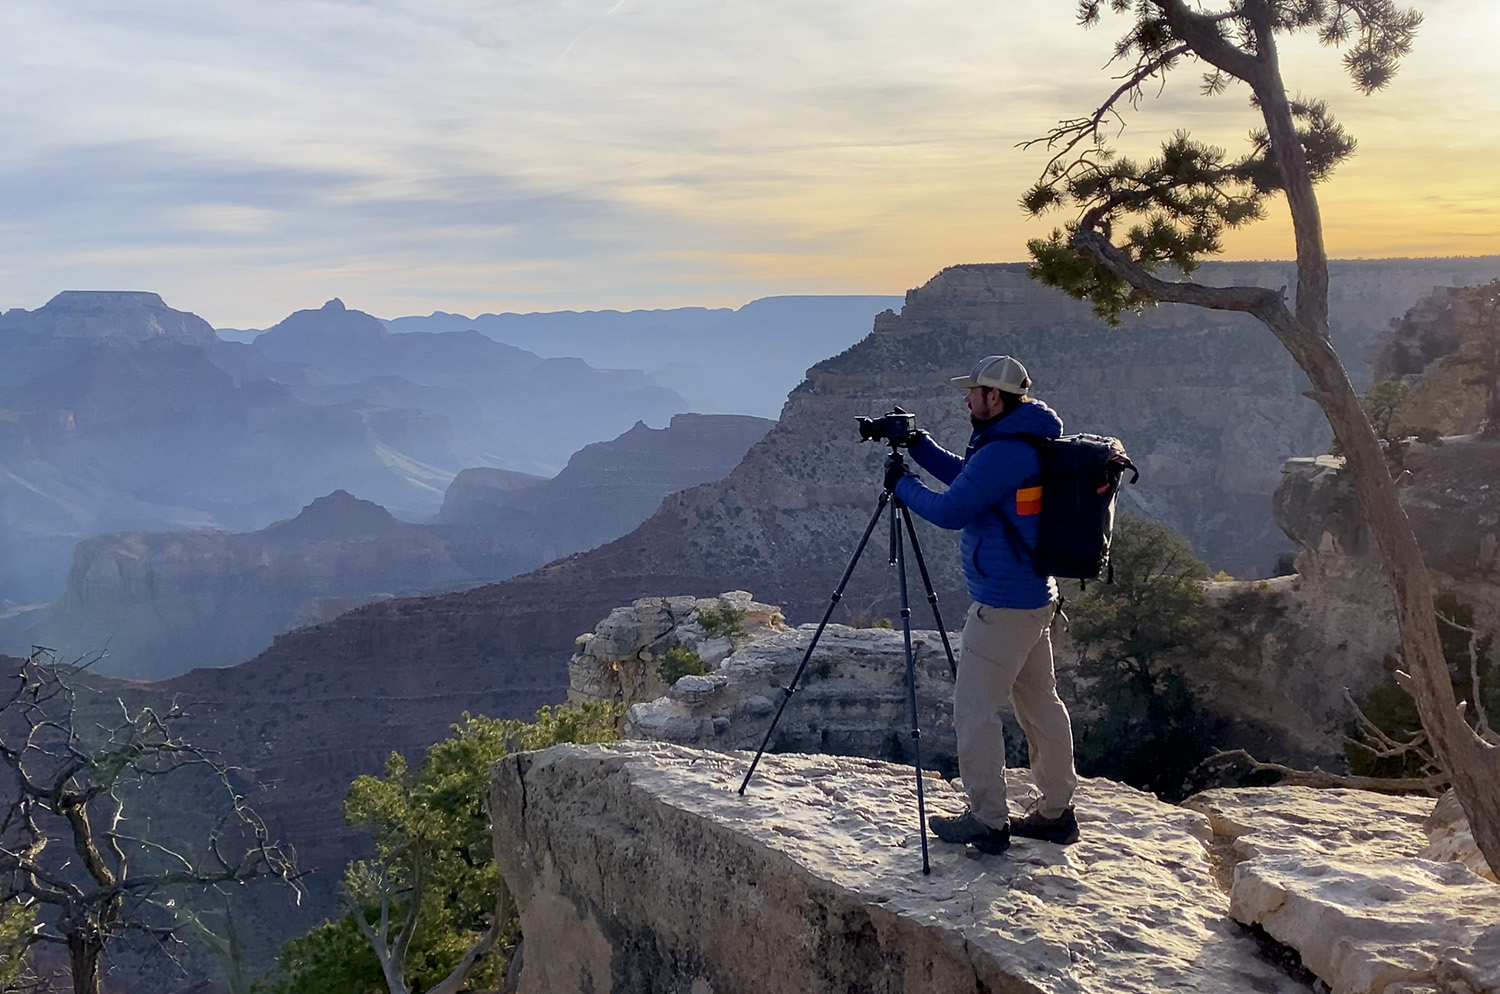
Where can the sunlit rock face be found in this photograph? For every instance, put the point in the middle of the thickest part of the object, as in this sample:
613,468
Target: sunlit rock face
1290,651
1347,879
641,867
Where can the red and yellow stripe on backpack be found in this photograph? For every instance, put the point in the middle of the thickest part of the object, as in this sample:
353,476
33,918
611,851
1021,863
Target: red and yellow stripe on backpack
1029,501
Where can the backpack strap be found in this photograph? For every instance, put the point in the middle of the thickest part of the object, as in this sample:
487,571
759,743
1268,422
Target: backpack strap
1011,531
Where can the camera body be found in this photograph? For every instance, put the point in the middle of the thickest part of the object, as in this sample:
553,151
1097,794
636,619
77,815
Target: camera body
898,427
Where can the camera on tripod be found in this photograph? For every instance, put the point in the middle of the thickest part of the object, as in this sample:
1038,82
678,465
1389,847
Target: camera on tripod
898,427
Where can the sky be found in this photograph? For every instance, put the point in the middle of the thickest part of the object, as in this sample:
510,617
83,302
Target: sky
248,158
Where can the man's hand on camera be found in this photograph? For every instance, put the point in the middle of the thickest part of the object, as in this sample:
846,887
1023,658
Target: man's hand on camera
912,438
895,469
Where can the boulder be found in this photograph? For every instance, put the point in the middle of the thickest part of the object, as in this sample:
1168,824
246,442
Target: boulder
1449,837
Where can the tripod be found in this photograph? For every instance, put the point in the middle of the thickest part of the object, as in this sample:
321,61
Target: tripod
900,515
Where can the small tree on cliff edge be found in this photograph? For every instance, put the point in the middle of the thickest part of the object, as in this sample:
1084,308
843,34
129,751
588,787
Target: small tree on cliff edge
1170,211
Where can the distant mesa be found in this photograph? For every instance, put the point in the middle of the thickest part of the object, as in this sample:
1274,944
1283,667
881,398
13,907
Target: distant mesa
109,315
477,496
339,515
333,322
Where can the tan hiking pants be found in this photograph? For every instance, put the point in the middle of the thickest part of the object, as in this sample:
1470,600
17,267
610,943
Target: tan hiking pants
1007,653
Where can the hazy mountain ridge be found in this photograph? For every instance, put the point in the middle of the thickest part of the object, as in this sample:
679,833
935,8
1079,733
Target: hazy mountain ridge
723,360
121,413
114,315
166,602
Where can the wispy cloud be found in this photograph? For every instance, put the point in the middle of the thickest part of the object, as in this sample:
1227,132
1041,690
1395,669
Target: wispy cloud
252,156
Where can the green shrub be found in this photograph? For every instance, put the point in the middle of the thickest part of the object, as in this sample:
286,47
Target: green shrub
722,621
431,843
1140,722
882,623
679,662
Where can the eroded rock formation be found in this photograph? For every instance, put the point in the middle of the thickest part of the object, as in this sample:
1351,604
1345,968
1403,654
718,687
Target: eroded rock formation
621,659
1352,881
640,867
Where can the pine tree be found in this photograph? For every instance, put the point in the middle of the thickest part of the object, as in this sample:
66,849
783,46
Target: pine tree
1135,219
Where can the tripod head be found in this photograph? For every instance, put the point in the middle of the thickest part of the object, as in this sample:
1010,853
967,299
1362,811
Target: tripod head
895,469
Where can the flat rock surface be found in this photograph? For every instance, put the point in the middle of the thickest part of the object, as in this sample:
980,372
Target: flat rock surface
758,892
1339,876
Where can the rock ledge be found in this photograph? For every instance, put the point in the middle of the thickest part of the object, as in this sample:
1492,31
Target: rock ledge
639,868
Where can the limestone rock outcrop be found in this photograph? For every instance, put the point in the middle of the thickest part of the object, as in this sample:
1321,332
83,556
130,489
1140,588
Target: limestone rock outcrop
1288,649
851,699
640,867
621,659
1451,495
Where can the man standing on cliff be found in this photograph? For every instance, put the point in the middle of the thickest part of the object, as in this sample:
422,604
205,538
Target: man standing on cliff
994,495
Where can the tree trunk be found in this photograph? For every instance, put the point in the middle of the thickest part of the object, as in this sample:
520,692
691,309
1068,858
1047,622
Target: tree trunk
84,956
1471,763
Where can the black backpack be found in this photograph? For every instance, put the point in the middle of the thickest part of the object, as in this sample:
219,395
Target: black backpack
1081,475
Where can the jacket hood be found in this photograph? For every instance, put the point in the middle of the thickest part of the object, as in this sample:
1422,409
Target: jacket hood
1032,418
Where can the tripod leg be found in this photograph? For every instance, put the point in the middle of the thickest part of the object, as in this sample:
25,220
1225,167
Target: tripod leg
838,595
911,681
932,597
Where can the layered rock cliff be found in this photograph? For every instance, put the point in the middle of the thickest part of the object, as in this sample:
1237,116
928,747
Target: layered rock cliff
642,868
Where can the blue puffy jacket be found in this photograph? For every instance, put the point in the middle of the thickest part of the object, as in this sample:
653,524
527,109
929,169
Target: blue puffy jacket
995,476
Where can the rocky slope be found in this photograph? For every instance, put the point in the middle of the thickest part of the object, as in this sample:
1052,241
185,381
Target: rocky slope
641,868
1287,651
166,602
608,488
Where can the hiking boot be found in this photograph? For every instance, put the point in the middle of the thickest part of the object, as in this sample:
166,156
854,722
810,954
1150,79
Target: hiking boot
966,828
1063,829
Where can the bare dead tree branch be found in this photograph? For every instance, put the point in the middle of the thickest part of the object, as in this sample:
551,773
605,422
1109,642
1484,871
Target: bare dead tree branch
1317,777
63,843
1069,134
1476,688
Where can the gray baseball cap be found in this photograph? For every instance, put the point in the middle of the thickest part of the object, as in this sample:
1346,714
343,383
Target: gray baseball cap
998,371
